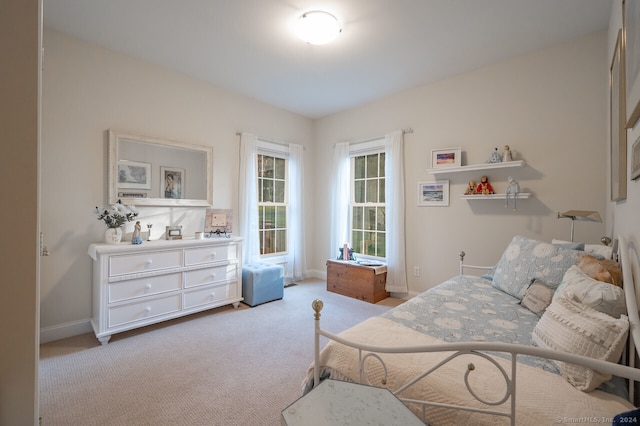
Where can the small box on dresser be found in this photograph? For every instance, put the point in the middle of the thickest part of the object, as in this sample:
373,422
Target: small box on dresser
358,281
139,285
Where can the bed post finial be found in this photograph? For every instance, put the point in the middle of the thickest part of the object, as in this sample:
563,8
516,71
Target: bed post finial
317,306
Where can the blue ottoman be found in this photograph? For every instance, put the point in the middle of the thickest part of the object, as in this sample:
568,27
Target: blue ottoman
262,282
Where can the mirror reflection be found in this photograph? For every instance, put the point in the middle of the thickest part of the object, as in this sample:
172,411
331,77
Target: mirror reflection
158,172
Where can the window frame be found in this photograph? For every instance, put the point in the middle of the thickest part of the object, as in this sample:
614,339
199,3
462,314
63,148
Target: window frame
265,148
363,149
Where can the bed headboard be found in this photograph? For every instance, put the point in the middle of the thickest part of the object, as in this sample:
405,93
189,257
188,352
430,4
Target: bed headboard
628,256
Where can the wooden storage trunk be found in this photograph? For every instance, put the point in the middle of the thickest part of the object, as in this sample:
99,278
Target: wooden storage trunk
358,281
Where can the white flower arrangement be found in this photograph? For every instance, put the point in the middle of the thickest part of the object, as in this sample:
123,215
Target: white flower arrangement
116,215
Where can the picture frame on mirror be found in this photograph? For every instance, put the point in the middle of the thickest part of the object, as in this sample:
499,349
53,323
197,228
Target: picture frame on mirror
134,175
173,182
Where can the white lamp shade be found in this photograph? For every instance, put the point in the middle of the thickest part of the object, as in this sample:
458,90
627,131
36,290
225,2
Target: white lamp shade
318,27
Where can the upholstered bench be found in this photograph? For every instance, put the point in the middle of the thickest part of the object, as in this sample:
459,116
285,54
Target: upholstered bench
262,282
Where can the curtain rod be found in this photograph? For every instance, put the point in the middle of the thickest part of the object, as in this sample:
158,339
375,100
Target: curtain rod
405,131
238,133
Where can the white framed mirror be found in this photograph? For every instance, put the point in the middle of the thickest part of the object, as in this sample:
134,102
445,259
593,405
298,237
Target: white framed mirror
149,171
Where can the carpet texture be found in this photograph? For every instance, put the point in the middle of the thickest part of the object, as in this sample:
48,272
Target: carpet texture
225,366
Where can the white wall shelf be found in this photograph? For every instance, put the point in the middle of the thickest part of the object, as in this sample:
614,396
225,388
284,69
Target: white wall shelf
475,167
521,195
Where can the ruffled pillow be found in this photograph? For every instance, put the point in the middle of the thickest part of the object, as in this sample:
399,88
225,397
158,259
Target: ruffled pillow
571,327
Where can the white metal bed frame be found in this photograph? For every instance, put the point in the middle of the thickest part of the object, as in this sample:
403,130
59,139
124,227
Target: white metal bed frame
365,352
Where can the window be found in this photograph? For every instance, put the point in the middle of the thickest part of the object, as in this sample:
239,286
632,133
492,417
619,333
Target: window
272,204
368,231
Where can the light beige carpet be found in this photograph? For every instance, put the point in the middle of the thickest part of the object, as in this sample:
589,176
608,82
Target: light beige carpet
221,367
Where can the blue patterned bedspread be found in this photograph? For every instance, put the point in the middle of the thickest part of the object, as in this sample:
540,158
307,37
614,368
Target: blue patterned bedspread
467,308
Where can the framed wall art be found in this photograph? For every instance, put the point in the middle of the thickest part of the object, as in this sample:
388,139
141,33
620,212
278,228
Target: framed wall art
631,48
433,193
446,158
172,180
134,175
635,160
618,129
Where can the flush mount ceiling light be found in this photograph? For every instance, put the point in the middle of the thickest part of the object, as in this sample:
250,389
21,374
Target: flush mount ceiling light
318,27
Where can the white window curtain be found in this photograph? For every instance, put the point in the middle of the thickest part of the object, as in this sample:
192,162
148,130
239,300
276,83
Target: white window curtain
341,197
395,207
248,198
295,244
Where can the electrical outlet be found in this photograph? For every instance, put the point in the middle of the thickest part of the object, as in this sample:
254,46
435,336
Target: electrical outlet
416,271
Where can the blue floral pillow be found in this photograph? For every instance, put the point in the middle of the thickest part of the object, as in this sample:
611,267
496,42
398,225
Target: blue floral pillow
526,260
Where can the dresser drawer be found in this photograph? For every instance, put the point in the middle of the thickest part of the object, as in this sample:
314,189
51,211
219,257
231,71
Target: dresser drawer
144,262
210,275
210,254
121,315
130,289
210,295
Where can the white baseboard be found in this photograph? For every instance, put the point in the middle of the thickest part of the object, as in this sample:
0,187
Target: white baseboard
316,273
62,331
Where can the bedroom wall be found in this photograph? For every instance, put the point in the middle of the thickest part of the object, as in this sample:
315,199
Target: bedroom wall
548,106
86,91
622,216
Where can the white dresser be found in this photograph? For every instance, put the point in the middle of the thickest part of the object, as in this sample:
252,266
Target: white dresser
138,285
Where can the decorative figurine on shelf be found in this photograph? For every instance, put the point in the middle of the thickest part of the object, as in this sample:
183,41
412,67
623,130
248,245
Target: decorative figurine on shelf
494,157
471,188
513,187
136,238
149,225
484,187
507,155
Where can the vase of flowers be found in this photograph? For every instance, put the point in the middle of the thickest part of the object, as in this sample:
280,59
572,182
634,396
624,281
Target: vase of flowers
113,235
114,217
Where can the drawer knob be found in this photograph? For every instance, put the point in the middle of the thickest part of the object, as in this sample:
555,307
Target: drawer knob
213,275
147,309
148,262
213,295
148,286
213,255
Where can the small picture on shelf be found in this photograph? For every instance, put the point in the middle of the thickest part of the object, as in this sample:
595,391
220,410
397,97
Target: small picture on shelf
218,222
446,158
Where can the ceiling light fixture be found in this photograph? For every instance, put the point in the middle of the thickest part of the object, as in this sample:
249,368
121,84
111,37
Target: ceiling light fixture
318,27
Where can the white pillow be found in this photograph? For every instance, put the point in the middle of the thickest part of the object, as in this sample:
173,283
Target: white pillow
537,297
599,250
571,327
603,297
